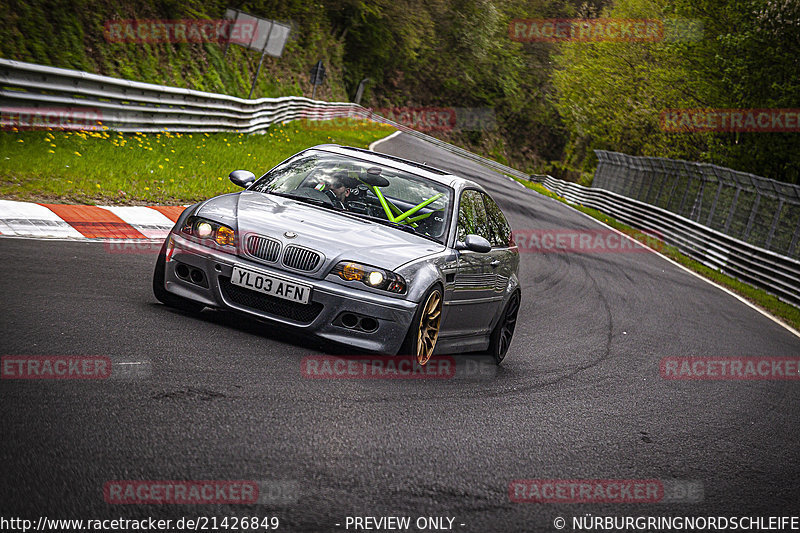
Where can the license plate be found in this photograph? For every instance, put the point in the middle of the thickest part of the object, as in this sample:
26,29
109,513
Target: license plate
266,284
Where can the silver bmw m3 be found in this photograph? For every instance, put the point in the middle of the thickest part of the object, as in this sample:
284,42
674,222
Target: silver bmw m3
376,252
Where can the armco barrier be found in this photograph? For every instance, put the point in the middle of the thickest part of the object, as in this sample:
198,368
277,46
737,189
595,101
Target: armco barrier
775,273
760,211
131,106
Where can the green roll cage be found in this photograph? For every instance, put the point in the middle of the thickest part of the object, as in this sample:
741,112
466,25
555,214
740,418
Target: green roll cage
394,214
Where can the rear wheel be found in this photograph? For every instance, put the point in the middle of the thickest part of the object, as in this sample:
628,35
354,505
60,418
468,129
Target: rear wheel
161,293
424,331
503,332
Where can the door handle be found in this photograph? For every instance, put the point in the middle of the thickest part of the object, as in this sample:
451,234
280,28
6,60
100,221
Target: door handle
495,263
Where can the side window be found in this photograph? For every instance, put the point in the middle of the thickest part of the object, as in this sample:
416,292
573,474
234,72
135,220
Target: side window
472,216
501,231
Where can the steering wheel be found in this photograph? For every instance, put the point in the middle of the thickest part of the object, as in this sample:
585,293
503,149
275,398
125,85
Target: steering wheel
333,198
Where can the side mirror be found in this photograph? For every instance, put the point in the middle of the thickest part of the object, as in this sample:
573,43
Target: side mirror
242,178
475,243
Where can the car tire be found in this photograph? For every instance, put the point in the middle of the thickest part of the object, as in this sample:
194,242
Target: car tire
161,293
423,333
503,332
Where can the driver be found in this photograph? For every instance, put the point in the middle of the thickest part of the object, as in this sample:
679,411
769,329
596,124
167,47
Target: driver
339,188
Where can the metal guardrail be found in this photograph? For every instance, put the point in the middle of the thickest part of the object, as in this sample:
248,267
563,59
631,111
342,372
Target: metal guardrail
760,211
775,273
131,106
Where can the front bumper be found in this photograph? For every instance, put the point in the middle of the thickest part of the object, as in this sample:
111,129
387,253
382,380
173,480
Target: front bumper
322,316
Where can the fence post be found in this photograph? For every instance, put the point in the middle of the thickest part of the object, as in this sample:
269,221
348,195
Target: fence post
752,216
795,238
614,179
710,218
601,171
638,182
651,173
733,209
699,198
686,190
674,185
774,223
627,182
663,180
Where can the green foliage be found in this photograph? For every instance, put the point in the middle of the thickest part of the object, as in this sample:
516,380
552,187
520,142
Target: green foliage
554,103
442,53
69,34
611,95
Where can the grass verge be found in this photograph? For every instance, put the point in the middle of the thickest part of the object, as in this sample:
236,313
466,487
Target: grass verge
786,312
106,167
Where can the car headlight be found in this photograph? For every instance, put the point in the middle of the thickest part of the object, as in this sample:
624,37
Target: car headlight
370,276
208,230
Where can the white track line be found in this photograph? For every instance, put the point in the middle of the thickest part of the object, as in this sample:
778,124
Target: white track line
515,181
690,271
376,143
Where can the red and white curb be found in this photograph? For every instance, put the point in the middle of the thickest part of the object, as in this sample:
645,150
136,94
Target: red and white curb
86,222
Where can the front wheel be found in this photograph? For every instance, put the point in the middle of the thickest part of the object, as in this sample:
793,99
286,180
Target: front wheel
161,293
501,336
424,331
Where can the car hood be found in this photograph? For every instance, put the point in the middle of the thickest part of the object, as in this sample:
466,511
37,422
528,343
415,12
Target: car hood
336,236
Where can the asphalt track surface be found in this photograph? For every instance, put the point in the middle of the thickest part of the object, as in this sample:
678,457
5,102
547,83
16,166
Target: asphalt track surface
220,398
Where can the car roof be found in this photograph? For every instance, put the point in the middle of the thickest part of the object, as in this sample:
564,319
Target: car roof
420,169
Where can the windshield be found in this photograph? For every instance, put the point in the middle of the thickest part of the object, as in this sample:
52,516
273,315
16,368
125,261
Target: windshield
363,189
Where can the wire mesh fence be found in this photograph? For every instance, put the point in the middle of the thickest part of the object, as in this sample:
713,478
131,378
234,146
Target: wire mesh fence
759,211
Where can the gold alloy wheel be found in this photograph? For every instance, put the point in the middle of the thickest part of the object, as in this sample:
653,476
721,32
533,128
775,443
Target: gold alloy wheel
429,327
